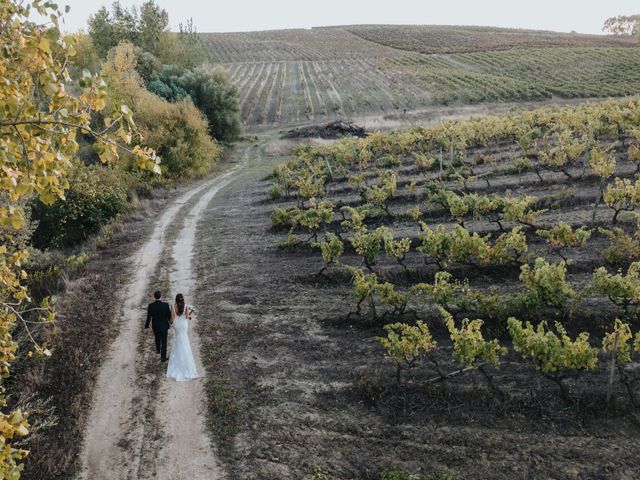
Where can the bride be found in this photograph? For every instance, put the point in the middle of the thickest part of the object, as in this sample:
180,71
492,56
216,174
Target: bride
181,364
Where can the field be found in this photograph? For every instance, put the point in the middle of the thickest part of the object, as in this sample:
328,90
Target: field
301,76
366,233
458,39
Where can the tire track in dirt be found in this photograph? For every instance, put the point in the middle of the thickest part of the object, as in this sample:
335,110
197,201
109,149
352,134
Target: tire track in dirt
142,425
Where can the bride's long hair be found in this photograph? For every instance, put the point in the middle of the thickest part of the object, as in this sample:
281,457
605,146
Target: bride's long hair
179,304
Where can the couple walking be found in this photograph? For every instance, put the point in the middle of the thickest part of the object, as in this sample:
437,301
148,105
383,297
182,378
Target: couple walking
163,316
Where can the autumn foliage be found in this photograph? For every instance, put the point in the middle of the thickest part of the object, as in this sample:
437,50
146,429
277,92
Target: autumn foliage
40,123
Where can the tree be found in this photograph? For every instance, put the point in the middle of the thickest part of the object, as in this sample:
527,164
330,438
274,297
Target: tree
153,22
39,125
102,32
107,29
190,51
622,25
166,83
143,29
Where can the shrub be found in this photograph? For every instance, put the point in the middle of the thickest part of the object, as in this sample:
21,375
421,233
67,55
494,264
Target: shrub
546,283
166,83
147,65
177,131
554,354
97,194
405,344
209,90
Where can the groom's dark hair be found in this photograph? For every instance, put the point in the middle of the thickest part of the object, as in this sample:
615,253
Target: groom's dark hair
157,295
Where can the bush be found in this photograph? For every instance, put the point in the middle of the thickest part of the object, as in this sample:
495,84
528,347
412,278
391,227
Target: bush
147,65
96,195
167,83
177,131
209,90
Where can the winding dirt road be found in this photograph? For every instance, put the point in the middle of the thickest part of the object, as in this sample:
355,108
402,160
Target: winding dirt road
141,424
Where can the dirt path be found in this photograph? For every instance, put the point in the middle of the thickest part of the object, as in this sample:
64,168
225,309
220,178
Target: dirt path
142,425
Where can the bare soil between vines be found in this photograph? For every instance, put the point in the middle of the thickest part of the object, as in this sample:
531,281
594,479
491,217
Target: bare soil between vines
295,388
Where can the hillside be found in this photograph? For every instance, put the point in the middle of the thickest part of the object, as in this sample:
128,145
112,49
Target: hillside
302,75
461,39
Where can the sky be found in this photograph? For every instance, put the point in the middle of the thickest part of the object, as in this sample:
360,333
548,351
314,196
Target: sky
584,16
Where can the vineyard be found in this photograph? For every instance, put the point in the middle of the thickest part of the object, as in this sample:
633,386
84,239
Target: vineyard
458,39
525,74
298,76
491,264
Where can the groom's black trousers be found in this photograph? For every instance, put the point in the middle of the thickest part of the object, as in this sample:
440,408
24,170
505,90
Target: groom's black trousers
161,342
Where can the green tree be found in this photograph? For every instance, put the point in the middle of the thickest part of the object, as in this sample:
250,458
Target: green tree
144,28
153,22
102,31
107,29
190,50
177,131
214,95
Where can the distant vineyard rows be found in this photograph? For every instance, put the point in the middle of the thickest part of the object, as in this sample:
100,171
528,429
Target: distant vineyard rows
295,76
458,39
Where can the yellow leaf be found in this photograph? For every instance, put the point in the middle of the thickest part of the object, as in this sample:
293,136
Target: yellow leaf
99,104
17,222
50,88
44,45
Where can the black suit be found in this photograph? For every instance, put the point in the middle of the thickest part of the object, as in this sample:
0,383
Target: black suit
159,314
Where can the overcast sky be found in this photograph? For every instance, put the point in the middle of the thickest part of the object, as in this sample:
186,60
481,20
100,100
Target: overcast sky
584,16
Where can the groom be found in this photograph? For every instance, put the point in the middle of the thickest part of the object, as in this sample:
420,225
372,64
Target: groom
159,314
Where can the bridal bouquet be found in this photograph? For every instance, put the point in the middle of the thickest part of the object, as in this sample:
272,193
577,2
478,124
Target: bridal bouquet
192,310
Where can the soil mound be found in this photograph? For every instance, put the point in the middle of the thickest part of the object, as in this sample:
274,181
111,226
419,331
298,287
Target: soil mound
337,129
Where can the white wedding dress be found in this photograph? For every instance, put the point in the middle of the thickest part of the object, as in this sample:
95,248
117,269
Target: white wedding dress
181,366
